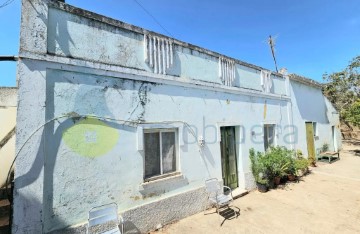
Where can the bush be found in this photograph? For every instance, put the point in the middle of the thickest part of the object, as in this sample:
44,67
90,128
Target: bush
280,161
258,168
275,162
301,164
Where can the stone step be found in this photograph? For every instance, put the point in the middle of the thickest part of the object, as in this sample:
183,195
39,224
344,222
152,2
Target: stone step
4,216
238,192
3,194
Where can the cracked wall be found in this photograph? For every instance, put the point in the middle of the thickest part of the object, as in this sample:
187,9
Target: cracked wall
83,75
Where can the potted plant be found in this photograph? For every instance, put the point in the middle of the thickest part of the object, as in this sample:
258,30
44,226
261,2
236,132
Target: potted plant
279,170
301,166
262,183
259,171
281,163
291,171
325,147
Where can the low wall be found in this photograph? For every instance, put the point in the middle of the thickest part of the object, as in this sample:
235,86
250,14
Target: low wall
151,216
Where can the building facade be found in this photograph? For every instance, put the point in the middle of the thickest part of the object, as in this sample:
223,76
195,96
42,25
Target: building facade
8,102
110,112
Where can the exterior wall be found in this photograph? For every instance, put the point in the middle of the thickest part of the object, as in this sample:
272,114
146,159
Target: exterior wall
72,35
8,99
118,174
76,64
310,105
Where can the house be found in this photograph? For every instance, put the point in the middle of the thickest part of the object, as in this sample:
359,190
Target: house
110,112
8,99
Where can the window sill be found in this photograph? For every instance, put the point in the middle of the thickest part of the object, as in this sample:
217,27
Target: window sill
162,177
162,184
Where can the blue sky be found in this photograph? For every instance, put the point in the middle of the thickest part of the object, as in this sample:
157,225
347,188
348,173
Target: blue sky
312,36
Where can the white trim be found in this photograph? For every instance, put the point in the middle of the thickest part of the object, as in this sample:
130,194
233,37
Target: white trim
116,71
238,148
275,133
315,130
161,153
228,124
140,138
122,25
178,126
152,128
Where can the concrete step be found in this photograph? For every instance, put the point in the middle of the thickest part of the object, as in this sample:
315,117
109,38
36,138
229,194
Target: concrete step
238,192
4,207
3,194
4,216
5,211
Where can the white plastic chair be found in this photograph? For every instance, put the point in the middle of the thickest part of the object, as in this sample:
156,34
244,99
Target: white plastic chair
216,194
105,215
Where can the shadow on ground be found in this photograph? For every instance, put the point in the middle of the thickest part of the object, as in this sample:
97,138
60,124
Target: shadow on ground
352,141
227,213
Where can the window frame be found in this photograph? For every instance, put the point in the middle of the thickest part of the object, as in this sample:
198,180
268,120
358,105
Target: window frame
267,125
315,129
177,166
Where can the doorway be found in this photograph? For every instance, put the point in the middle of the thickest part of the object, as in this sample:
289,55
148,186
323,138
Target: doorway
228,157
310,140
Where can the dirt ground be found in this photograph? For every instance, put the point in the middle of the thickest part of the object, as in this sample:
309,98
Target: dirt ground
325,201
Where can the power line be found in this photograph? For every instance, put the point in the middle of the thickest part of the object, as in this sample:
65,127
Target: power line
6,3
153,17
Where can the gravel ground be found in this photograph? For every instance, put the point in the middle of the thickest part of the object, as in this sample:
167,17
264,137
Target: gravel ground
325,201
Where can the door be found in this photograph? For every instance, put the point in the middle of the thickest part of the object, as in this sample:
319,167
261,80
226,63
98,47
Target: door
310,140
228,157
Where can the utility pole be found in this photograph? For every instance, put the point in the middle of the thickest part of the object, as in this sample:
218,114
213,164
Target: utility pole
271,42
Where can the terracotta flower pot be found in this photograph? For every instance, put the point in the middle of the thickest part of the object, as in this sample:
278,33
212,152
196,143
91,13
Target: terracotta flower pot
277,180
291,177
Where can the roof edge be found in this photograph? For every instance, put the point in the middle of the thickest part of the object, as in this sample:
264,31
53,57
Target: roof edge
305,80
117,23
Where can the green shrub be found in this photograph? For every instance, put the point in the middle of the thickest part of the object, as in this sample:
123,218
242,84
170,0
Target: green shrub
281,161
325,147
258,168
275,162
301,164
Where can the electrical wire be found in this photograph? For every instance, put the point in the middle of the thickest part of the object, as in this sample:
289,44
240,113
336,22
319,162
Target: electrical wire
153,17
6,3
75,115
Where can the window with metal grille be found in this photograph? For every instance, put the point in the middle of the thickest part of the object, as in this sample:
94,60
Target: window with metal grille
160,152
269,135
315,129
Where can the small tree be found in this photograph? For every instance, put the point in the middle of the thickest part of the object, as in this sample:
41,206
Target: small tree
343,90
352,114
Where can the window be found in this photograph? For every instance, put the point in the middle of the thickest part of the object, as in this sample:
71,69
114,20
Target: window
315,128
160,152
269,135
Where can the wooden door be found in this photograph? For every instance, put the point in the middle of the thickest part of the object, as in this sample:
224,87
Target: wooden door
310,140
228,157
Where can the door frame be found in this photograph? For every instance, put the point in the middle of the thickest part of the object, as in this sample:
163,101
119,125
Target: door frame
226,156
334,138
239,138
308,138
